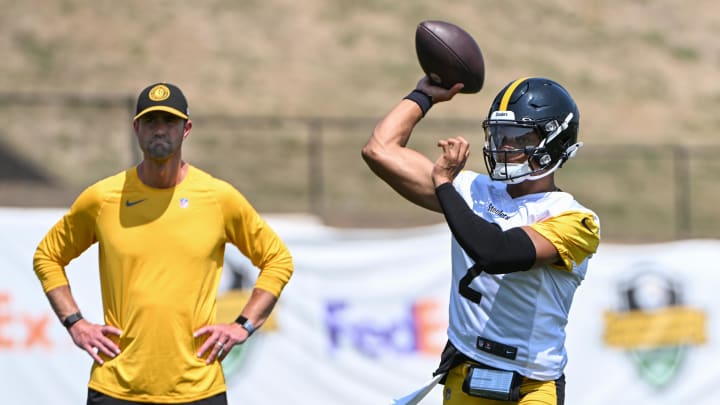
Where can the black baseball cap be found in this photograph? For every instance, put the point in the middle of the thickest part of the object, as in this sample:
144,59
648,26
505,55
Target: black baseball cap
162,97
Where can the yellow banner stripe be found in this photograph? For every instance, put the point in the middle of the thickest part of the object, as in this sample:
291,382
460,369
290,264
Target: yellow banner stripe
672,326
506,97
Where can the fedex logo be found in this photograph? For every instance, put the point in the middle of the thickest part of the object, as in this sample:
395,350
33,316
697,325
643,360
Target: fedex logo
21,330
415,328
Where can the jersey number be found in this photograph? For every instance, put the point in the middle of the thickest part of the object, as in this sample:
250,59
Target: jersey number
465,290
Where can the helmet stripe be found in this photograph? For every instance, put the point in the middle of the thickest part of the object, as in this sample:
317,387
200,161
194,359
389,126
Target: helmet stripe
508,93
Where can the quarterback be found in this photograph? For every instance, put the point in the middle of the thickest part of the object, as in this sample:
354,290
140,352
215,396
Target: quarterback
520,245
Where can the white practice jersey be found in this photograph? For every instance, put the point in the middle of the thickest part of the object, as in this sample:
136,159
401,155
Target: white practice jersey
519,322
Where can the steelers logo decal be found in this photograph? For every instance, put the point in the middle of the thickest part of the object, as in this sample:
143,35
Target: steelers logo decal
159,93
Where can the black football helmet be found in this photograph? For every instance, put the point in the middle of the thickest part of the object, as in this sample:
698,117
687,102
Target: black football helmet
533,116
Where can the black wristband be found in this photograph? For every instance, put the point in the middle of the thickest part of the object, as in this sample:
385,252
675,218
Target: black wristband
422,99
72,319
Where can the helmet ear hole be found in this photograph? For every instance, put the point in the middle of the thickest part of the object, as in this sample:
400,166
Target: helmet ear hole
539,156
541,160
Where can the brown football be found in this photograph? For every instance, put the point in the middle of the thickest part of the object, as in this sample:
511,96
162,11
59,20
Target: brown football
449,55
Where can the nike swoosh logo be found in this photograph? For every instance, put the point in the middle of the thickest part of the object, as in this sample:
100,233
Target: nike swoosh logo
129,203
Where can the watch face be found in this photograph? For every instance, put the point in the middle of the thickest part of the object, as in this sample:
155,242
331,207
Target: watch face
245,323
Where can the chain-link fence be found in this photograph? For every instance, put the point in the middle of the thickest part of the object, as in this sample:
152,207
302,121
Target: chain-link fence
54,145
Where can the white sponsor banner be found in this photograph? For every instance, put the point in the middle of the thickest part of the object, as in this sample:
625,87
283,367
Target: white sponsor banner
363,320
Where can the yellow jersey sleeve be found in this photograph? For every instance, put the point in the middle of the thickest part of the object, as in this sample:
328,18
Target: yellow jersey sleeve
66,240
247,230
575,235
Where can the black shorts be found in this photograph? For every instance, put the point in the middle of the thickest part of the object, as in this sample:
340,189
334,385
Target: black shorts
98,398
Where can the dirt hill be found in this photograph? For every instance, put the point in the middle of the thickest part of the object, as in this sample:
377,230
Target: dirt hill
641,71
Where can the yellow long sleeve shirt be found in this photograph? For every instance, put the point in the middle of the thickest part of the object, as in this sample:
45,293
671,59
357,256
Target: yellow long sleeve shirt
160,259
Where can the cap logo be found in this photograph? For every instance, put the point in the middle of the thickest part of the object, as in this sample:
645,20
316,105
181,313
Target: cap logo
159,93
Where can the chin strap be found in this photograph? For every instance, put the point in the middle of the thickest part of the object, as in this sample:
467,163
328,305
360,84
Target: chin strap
569,153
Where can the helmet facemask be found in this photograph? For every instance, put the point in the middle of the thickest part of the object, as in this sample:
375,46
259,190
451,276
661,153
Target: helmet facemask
540,142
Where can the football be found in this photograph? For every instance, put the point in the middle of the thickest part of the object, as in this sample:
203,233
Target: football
449,55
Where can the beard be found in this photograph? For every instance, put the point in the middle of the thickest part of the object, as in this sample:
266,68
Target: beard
160,148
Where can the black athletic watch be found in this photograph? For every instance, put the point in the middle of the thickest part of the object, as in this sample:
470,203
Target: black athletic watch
245,323
72,319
